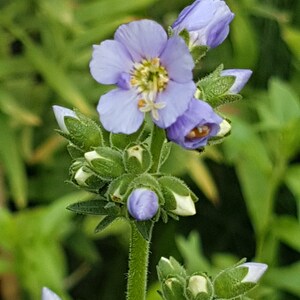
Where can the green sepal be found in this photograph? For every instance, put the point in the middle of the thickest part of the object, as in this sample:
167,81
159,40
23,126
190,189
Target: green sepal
119,189
224,99
137,158
165,153
186,36
104,223
169,186
167,268
218,87
106,162
198,52
228,285
121,141
83,132
205,81
174,289
170,31
144,228
74,151
95,207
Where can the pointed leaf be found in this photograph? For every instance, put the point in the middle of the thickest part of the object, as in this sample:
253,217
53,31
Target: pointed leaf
105,222
145,229
94,207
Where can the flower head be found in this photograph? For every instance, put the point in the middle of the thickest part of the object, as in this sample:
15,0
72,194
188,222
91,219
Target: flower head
142,204
241,78
194,128
255,271
151,72
49,295
60,114
207,22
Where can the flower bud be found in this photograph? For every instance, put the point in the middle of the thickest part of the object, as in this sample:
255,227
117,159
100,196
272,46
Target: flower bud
179,199
238,280
167,268
142,204
241,78
207,22
119,188
49,295
196,126
137,159
106,162
200,287
81,176
80,130
173,288
255,271
60,114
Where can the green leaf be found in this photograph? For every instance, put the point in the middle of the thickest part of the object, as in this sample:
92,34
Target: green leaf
13,164
93,207
292,37
244,40
191,250
287,229
104,223
144,228
285,278
284,102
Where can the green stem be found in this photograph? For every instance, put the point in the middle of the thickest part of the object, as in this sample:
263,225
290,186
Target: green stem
158,137
138,265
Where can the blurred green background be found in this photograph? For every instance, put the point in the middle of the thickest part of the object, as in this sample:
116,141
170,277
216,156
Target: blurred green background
249,187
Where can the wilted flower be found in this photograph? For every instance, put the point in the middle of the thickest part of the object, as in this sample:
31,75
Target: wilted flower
142,204
255,271
151,73
49,295
194,128
60,114
241,78
207,22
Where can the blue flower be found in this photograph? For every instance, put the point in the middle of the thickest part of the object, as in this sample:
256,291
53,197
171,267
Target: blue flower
142,204
241,78
196,126
151,72
207,22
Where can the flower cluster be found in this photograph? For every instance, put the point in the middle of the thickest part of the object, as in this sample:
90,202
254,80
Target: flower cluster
152,71
231,283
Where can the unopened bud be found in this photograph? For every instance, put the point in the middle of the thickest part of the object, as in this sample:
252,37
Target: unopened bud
179,199
106,162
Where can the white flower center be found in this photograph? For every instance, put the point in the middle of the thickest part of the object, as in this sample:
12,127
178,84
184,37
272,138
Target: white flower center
150,78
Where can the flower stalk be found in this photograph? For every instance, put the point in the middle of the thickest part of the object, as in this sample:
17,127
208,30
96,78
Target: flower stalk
138,265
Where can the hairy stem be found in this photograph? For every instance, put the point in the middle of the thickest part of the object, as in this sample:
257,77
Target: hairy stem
138,265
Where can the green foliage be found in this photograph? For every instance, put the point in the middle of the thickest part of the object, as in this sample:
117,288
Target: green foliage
44,54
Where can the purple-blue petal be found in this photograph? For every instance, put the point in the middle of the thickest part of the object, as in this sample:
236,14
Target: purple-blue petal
176,97
143,39
207,22
241,78
177,60
142,204
110,59
195,16
118,111
199,113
